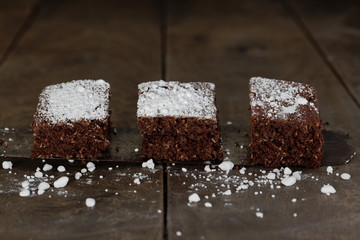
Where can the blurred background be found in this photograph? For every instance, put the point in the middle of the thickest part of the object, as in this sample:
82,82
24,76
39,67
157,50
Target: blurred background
226,42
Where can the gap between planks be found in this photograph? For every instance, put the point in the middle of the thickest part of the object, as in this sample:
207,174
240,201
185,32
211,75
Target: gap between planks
295,16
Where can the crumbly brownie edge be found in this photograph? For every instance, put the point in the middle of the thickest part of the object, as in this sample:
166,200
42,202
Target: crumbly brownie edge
183,148
276,143
82,139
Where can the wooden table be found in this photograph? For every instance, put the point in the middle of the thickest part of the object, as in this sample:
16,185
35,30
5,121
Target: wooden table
44,42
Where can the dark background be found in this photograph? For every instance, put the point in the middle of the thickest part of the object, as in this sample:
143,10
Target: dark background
45,42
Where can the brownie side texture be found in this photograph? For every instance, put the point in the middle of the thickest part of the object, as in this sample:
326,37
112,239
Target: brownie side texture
84,140
177,125
205,147
285,124
72,120
179,122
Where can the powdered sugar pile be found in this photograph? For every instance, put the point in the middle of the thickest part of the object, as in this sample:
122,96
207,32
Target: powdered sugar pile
277,99
148,164
90,202
73,101
61,182
328,189
7,165
160,98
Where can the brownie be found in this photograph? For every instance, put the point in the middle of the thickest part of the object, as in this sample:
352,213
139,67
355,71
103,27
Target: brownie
285,124
179,121
72,120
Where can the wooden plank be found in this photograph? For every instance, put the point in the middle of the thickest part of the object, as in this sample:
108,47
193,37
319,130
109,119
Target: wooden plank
336,29
113,40
116,41
123,209
125,146
13,15
227,43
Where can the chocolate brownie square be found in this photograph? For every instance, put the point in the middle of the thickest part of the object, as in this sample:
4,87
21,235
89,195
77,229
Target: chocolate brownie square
72,120
285,124
179,121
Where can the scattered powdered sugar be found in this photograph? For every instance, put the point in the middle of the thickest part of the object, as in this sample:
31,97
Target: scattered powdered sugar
259,214
271,176
78,175
25,184
149,164
137,181
47,167
208,169
328,189
75,100
7,165
38,174
345,176
297,175
178,233
227,193
287,171
61,182
329,170
61,169
278,99
42,187
160,98
24,193
184,169
90,166
208,205
194,198
90,202
288,181
226,166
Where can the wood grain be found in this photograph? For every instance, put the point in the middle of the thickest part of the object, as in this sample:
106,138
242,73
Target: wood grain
227,43
113,40
123,210
335,26
118,42
13,15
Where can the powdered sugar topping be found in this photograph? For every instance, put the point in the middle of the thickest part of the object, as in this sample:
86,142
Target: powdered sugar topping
278,99
160,98
73,101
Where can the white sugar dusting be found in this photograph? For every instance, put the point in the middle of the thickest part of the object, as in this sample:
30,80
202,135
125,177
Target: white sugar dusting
7,165
73,101
90,166
61,169
278,99
61,182
345,176
90,202
160,98
24,193
288,181
194,198
328,189
226,166
329,170
148,164
259,214
47,167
